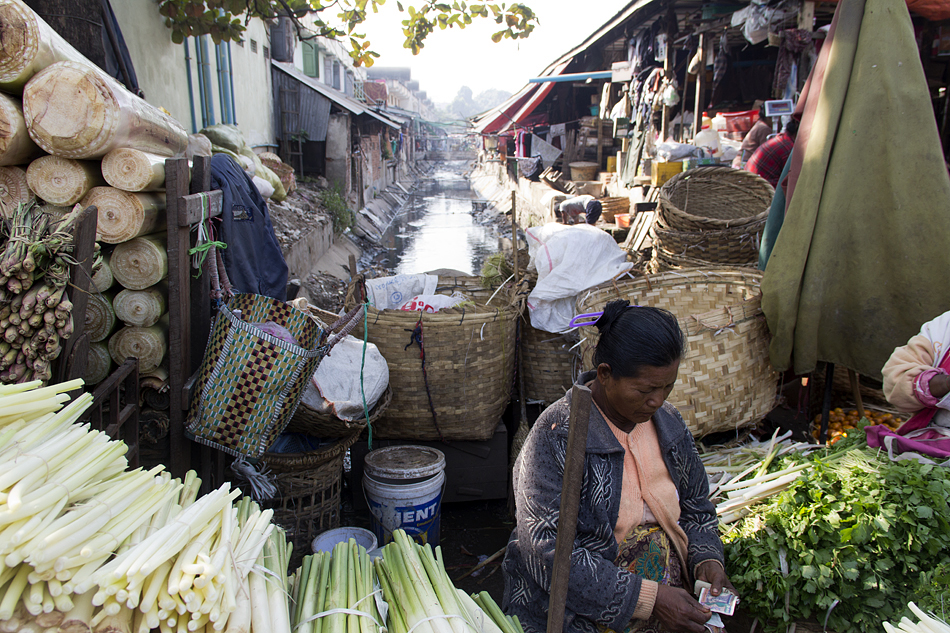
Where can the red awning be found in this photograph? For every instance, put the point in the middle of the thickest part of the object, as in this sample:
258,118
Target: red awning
503,113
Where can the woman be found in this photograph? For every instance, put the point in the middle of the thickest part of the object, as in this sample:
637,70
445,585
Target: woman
917,380
645,528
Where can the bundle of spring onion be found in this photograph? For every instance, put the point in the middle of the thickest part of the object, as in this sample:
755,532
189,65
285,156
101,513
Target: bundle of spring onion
739,477
35,312
335,592
89,546
928,623
422,598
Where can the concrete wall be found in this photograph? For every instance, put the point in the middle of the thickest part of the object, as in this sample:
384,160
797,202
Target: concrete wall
162,71
159,63
338,151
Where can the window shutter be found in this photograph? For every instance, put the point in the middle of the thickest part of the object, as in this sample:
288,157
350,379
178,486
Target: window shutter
309,59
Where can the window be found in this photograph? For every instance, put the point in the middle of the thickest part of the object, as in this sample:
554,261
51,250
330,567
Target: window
241,43
327,70
336,75
266,53
253,46
310,58
225,82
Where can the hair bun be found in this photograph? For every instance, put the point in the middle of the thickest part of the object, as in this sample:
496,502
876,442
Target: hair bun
612,312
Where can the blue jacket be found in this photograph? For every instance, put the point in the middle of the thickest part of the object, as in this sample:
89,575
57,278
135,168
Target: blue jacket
599,591
253,259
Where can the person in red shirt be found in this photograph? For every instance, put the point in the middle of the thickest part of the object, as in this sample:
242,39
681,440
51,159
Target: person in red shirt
769,159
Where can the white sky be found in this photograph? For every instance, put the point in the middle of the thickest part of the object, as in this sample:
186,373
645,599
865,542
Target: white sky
454,58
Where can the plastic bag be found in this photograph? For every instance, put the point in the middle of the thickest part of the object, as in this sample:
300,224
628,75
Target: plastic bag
569,260
671,151
335,386
263,186
390,293
433,303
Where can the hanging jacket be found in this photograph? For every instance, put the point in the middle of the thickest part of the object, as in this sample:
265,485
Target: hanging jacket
253,259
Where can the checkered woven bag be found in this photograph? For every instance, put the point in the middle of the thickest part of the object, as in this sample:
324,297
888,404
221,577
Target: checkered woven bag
250,382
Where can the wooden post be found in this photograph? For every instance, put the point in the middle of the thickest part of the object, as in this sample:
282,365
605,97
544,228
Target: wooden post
75,352
570,503
700,87
826,402
806,15
514,233
668,63
856,390
179,317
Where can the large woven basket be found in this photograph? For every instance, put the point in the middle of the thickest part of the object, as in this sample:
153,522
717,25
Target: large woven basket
549,361
308,485
737,245
469,364
714,198
725,380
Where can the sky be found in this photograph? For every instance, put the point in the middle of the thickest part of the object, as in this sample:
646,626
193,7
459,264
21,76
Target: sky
454,58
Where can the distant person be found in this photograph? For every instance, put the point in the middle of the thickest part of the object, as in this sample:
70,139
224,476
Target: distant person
769,159
579,209
756,136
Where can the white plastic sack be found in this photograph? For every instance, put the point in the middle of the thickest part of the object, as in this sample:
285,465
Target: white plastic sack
433,303
390,293
670,151
266,189
569,260
335,386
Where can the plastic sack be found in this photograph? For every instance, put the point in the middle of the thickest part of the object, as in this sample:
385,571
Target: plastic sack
335,386
569,260
433,303
671,151
198,145
390,293
226,135
263,186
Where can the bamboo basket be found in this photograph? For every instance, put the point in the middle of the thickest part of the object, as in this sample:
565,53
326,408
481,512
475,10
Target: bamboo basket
738,245
469,364
662,261
725,379
714,198
308,491
549,362
611,206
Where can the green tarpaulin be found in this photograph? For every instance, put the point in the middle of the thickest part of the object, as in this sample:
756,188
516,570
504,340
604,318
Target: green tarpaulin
863,256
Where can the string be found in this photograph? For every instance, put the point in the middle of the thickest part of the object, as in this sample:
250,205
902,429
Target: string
203,242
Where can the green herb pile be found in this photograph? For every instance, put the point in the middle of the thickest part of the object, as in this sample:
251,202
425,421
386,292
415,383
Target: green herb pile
849,544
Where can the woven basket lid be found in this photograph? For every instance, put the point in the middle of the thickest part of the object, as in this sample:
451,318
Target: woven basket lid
404,462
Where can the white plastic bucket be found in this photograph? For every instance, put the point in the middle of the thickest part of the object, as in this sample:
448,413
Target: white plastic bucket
403,486
326,540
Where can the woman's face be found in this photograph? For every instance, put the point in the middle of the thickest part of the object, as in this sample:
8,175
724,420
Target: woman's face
631,401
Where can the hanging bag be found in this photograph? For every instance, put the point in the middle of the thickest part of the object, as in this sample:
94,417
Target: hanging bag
250,381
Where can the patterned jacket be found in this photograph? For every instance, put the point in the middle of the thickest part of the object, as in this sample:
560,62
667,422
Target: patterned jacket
599,591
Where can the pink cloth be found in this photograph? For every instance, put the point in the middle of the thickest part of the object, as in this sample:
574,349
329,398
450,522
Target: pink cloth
913,435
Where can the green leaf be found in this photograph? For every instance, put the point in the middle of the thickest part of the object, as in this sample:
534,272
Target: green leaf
924,512
809,571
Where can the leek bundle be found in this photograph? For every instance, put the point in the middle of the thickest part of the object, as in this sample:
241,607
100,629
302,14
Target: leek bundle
928,623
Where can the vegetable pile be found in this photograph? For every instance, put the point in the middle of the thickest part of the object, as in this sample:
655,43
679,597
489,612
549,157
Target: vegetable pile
35,311
841,421
88,545
849,543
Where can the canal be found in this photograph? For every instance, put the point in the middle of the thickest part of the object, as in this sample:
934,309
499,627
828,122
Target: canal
437,227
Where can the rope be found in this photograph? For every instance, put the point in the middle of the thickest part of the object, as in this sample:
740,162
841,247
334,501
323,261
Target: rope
417,337
369,424
203,242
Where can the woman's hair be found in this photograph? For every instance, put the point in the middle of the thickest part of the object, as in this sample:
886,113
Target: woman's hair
632,337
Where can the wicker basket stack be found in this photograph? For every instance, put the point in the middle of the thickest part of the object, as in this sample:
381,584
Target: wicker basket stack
725,380
611,206
456,384
308,484
284,171
549,362
710,216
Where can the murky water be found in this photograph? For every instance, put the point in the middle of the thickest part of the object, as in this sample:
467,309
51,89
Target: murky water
437,228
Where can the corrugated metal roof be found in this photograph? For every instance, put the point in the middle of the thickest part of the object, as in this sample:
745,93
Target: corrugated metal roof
298,108
333,95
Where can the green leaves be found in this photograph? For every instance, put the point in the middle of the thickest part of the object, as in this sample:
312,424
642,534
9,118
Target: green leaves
849,532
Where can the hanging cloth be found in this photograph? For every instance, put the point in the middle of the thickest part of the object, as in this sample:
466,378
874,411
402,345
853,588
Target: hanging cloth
794,42
861,259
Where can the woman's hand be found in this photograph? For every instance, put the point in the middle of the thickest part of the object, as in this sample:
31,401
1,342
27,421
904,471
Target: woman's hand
711,571
939,386
678,611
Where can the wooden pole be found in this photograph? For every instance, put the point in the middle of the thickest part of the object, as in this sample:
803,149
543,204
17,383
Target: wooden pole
826,402
668,62
514,234
856,390
700,87
570,503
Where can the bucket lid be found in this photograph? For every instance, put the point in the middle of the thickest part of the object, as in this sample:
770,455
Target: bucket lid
404,462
